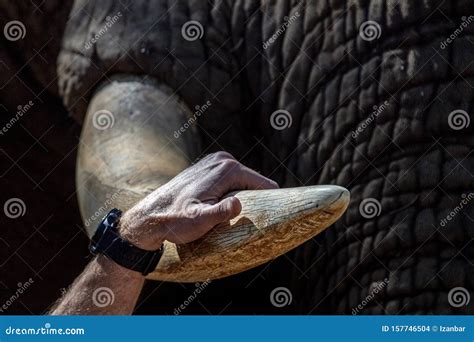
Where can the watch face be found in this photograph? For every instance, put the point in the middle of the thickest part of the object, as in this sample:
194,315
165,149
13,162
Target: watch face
109,220
96,237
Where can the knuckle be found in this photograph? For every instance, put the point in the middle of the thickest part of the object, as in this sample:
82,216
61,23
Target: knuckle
222,210
230,165
222,155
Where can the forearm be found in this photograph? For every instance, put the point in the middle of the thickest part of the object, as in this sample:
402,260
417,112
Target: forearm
104,288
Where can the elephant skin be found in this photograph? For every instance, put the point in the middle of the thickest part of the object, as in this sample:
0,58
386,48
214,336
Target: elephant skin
330,80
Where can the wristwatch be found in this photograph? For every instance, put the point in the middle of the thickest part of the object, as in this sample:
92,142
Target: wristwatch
107,241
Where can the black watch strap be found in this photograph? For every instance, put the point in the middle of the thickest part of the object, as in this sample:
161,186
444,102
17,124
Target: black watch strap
107,241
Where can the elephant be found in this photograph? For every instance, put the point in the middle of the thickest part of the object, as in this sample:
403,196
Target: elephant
374,96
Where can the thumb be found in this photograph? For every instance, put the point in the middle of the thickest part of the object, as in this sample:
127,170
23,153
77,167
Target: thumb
220,212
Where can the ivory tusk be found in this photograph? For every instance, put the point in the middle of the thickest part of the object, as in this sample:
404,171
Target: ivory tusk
120,164
127,148
272,222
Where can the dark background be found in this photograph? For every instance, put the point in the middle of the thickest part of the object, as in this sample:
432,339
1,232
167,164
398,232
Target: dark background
37,165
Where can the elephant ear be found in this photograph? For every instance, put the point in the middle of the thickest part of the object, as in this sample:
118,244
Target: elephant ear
129,146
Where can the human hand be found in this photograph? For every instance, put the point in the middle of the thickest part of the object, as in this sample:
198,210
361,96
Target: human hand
192,203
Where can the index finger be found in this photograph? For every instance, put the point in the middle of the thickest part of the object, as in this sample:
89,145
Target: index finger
244,178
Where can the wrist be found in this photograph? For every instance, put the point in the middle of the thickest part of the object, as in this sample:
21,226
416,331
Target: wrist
126,249
137,230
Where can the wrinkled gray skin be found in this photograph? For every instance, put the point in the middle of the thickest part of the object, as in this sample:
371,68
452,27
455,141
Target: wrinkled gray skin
329,80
